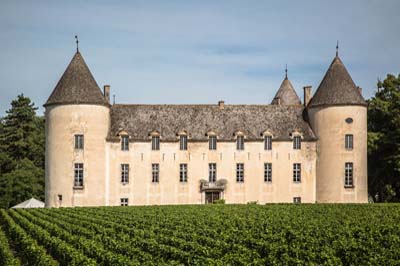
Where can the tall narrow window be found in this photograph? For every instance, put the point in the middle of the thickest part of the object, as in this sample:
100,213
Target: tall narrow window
240,172
296,172
125,143
240,143
348,143
212,142
348,174
124,202
267,172
183,142
155,143
124,173
155,171
212,172
297,142
79,142
267,143
78,175
183,172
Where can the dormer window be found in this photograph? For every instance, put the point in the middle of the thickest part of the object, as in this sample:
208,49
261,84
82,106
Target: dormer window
125,143
267,142
297,142
183,139
79,142
155,143
239,141
212,142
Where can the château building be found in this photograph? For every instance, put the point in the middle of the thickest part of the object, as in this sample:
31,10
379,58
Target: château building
102,154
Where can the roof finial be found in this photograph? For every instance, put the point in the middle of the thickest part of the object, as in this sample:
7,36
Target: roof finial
285,71
77,43
337,48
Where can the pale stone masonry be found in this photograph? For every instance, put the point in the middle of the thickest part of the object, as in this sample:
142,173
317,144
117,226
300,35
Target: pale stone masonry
99,154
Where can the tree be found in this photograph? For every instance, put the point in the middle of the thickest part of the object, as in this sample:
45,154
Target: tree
384,140
22,148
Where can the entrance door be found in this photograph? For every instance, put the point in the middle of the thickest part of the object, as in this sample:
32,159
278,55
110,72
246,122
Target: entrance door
212,196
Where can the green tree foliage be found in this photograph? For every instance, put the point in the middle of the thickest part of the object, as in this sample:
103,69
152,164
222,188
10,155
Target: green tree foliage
384,140
22,144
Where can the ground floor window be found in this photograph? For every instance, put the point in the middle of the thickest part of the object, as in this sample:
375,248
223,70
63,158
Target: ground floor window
297,200
124,201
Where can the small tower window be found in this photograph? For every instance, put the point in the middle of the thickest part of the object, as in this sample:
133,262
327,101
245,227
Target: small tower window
212,142
155,170
183,172
267,142
348,175
155,143
124,173
79,142
348,142
78,175
212,172
240,172
297,172
183,139
297,142
240,143
124,143
267,172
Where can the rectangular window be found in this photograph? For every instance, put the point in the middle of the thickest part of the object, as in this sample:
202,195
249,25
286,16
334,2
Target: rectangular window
124,202
155,143
296,172
155,171
183,143
297,200
78,175
348,142
125,143
240,172
240,143
79,142
297,143
267,143
183,172
348,174
212,142
267,172
212,172
124,173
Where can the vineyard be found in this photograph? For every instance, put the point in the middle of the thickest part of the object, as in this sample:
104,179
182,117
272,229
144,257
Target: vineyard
203,235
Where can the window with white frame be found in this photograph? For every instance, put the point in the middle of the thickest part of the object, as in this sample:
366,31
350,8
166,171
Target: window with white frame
297,142
212,172
155,143
240,172
125,143
267,142
79,141
78,175
296,172
183,172
240,143
124,201
124,173
297,200
212,142
183,140
155,173
348,174
267,172
348,142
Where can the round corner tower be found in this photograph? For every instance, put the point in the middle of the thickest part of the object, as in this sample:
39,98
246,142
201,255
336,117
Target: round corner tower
338,115
77,123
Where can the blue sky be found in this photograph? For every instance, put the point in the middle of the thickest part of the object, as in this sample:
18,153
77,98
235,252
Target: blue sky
195,51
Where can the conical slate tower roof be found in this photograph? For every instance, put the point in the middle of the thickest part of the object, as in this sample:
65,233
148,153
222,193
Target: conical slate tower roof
76,86
286,95
337,87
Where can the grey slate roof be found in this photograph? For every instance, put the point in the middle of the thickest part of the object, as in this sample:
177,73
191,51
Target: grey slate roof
76,86
140,120
286,95
337,88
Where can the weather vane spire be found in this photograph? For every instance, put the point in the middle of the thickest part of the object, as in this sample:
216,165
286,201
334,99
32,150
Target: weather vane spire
337,48
77,43
285,71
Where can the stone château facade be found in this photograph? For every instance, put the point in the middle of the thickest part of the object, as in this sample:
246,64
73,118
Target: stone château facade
102,154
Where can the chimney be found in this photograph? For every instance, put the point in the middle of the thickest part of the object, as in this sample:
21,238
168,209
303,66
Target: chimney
106,93
359,90
307,94
221,105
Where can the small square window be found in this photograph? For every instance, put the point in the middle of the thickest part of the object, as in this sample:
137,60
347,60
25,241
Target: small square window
124,201
297,200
